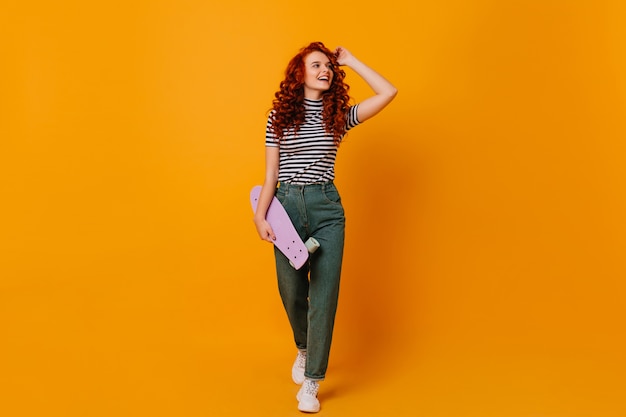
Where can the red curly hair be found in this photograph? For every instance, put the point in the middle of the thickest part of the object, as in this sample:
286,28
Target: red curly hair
288,106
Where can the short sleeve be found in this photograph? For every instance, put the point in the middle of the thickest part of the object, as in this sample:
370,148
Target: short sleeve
270,137
352,120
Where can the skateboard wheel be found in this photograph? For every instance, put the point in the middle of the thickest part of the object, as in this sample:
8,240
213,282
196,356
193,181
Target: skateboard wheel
311,245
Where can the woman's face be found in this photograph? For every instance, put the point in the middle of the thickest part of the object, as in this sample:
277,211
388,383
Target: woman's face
318,74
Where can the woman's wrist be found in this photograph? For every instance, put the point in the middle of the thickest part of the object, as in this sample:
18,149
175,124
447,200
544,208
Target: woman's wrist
350,62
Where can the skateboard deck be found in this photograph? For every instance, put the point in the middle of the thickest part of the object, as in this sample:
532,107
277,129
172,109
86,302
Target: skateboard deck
287,239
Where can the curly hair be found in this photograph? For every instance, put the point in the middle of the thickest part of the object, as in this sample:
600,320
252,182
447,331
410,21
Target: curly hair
288,107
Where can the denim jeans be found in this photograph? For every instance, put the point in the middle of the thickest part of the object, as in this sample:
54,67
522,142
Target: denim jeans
310,294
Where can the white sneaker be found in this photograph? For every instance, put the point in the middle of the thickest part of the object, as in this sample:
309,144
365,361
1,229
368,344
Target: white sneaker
297,371
307,397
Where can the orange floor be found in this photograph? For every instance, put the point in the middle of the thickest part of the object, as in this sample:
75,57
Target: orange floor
444,384
223,378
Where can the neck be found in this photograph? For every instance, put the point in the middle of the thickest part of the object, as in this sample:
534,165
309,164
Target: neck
312,94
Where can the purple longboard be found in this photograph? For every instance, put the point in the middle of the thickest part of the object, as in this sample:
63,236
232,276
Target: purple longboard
287,239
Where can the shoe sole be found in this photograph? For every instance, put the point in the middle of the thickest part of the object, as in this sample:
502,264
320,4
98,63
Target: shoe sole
314,409
309,410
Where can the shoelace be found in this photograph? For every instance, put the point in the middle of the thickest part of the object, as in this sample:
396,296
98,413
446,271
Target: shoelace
301,360
311,388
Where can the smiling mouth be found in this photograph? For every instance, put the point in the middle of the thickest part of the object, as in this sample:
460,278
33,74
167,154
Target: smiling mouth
323,79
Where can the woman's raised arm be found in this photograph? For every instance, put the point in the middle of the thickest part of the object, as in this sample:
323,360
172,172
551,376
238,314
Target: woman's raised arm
383,89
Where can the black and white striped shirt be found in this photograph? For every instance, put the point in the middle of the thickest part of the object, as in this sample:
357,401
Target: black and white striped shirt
308,155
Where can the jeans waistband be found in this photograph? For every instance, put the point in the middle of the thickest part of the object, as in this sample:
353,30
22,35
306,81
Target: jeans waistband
314,186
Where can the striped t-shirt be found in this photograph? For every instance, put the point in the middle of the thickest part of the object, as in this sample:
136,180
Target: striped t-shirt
308,155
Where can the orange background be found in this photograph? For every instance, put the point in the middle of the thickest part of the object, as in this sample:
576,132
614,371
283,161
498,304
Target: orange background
484,271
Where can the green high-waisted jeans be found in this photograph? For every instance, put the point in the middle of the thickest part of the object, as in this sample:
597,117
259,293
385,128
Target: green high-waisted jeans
310,294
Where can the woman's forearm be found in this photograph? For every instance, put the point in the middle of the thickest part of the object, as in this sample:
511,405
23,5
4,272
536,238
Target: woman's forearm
379,84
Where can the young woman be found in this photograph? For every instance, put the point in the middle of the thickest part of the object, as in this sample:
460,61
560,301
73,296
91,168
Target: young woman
310,116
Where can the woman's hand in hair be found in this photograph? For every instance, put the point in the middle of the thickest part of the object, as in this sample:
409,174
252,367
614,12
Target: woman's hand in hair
343,56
